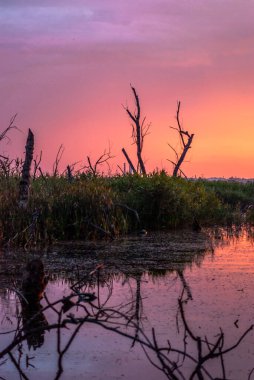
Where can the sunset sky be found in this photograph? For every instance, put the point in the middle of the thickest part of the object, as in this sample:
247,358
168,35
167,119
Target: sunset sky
66,69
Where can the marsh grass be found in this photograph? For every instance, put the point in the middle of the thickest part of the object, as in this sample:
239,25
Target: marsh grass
232,192
105,207
237,196
59,210
165,202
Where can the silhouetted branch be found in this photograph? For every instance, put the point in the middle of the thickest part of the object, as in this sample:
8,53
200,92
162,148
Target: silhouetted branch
37,162
129,209
103,159
11,125
87,308
57,160
250,374
180,170
16,364
139,130
186,141
129,161
41,173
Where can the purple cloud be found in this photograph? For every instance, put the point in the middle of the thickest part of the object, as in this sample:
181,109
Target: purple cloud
54,51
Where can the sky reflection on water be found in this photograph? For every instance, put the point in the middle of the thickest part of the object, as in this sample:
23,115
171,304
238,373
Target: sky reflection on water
221,289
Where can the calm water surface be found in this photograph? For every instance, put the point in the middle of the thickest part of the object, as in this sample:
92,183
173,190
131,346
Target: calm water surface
219,298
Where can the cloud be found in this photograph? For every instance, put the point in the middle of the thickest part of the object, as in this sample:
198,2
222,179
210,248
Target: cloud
172,24
58,54
210,36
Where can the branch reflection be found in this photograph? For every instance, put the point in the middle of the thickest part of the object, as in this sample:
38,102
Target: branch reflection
86,305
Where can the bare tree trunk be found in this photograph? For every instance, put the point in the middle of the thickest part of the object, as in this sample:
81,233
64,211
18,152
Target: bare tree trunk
183,154
129,161
139,130
25,176
186,140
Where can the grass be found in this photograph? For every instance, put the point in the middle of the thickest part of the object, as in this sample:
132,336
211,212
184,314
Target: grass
95,207
235,194
165,202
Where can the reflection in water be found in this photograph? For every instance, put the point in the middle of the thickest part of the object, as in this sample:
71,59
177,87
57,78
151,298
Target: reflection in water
34,324
33,318
169,359
125,310
233,234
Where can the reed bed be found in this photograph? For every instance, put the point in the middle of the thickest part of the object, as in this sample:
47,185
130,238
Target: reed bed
105,207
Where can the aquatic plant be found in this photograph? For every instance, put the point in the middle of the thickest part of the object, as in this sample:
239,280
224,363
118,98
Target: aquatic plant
97,207
168,202
59,210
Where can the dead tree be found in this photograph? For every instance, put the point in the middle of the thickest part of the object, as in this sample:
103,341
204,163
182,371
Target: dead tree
3,135
129,161
185,140
139,131
92,168
25,176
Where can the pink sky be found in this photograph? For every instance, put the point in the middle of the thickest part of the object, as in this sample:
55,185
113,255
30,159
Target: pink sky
66,67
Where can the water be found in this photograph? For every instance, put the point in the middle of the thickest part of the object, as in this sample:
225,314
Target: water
216,293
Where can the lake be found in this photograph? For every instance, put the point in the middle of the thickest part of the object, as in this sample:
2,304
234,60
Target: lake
173,306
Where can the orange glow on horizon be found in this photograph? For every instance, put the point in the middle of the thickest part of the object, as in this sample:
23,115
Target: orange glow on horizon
66,70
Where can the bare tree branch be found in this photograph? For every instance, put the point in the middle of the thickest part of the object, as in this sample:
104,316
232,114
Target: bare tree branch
186,141
103,159
139,130
37,162
11,125
129,161
180,170
57,160
124,320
